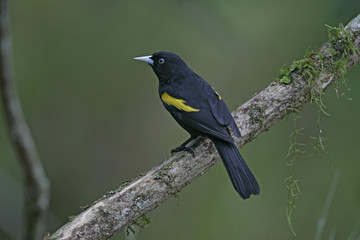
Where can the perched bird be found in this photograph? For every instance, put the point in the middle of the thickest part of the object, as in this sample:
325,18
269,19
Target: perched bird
200,110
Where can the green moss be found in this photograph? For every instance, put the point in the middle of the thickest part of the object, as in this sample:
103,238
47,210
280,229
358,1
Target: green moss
319,141
291,182
295,146
121,187
341,40
293,195
309,70
47,236
342,45
71,218
141,222
163,172
304,67
332,58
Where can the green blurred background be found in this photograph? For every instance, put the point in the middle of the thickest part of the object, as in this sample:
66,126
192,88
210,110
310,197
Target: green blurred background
97,119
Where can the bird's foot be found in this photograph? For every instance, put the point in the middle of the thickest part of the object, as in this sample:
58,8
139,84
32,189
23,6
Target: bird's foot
183,148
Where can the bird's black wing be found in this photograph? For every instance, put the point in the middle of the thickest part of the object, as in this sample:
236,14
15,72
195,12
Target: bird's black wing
202,123
213,118
221,112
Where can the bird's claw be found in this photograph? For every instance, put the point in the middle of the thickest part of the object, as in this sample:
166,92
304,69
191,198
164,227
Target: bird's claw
183,148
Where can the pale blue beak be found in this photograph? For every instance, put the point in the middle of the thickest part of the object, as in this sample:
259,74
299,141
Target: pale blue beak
145,59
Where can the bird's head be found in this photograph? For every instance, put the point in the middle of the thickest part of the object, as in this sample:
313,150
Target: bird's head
165,64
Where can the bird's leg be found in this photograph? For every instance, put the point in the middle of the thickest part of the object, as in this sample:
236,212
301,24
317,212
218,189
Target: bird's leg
183,147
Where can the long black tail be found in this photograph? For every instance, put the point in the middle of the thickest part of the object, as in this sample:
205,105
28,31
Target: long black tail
240,175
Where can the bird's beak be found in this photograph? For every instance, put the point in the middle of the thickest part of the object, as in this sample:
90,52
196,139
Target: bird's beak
145,59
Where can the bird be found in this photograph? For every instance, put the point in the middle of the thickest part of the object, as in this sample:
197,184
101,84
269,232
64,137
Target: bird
199,109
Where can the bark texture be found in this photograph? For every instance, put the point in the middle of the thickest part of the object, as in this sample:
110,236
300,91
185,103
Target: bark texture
122,206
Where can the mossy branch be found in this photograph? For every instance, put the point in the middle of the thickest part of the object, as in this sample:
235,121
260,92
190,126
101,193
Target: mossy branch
305,80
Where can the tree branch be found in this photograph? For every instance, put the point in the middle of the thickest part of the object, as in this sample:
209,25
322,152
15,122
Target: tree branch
36,183
121,207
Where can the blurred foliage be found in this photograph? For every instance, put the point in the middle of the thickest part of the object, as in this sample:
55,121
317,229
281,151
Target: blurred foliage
97,119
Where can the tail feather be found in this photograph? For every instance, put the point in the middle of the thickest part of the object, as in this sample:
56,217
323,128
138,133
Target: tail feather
240,175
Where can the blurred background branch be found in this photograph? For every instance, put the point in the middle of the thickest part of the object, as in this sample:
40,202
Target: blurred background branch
326,208
121,207
36,186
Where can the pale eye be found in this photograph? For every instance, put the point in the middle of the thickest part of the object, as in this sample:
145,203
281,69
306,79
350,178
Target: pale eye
161,60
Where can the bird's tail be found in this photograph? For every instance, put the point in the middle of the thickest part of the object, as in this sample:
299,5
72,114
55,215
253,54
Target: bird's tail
240,175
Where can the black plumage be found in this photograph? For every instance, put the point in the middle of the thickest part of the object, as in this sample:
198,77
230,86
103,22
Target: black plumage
200,110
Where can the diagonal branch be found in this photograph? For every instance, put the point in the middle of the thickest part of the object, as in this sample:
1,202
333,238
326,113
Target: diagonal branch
308,78
36,185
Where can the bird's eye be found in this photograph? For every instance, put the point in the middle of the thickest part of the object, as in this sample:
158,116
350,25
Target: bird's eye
161,60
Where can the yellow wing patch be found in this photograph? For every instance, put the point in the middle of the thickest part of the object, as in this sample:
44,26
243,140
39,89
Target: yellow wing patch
178,103
217,94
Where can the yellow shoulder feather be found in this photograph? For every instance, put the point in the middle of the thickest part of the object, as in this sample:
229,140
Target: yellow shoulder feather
178,103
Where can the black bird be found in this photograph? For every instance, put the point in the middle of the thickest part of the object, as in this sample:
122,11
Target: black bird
200,110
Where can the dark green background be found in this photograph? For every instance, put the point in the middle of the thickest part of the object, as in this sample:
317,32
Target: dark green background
97,119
